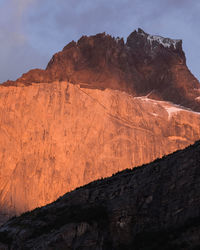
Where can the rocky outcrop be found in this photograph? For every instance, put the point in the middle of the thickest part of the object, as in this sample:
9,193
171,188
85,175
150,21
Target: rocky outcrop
155,206
163,64
95,110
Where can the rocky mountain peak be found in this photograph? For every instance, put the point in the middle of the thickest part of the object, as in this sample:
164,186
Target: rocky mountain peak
90,113
144,64
88,52
153,45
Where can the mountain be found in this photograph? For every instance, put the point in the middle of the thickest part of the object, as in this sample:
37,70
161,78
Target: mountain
99,107
145,64
155,206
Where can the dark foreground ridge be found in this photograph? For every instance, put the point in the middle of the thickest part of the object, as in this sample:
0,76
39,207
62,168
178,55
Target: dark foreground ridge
156,206
143,65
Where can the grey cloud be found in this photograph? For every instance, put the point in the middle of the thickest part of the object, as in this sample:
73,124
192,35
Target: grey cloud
44,27
17,55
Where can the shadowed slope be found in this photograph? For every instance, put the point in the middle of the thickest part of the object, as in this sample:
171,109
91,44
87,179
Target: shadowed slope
155,206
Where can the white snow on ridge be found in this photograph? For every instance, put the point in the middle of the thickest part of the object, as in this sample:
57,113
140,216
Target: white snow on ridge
166,42
170,107
172,110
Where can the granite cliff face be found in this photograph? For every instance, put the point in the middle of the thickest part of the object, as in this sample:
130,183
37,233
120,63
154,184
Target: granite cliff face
99,107
155,206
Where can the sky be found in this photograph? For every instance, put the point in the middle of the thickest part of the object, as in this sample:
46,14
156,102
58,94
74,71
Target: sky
31,31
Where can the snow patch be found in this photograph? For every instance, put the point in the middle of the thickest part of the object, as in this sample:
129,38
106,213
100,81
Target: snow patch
166,42
172,110
170,107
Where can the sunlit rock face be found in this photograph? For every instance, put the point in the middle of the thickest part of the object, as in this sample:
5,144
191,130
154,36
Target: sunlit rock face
55,137
99,107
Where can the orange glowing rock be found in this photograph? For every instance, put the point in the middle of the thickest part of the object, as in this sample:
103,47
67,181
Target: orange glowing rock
58,134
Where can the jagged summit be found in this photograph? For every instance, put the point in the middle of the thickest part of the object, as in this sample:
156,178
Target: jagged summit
165,42
143,64
91,41
151,46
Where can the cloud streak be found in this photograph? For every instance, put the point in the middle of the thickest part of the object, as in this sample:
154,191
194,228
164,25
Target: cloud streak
32,30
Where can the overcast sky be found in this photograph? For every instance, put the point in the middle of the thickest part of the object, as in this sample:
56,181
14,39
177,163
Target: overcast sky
31,31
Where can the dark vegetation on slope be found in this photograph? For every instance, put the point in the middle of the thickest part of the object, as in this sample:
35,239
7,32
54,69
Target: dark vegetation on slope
155,206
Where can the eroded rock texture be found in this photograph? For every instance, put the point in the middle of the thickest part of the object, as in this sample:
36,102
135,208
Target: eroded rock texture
91,114
55,137
151,207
